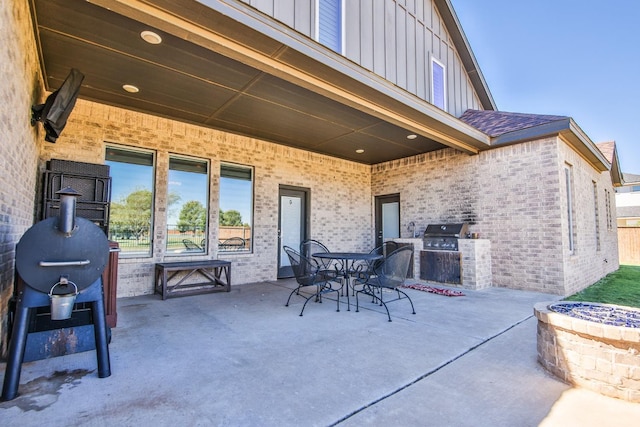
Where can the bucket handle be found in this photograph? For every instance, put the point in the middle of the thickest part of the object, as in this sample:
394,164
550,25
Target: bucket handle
63,281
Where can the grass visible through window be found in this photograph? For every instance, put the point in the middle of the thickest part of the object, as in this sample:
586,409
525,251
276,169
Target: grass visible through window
621,287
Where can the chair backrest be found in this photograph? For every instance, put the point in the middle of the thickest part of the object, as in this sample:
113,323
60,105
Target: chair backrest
389,247
233,244
392,272
309,247
190,246
304,269
385,250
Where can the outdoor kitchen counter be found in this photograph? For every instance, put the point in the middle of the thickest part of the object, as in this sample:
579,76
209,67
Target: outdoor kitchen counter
476,261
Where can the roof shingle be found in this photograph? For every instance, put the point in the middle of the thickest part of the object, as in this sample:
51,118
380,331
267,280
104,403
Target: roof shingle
496,123
607,149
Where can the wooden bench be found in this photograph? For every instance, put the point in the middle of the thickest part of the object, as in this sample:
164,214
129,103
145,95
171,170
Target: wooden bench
216,275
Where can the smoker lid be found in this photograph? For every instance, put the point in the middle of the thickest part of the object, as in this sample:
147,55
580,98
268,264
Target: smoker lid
44,243
446,230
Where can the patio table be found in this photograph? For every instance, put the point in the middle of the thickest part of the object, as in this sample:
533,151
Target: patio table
348,260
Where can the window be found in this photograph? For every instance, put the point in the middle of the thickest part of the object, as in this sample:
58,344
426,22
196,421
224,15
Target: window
330,24
568,182
438,84
130,218
236,208
187,205
597,214
607,201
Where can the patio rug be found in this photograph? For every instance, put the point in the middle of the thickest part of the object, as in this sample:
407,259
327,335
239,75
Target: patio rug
434,290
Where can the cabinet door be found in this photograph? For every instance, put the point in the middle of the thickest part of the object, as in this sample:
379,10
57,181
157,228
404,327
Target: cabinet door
441,266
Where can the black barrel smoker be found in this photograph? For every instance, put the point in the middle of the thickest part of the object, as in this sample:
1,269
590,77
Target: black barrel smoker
60,262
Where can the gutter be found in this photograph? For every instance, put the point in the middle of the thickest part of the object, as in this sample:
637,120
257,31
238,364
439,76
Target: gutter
568,130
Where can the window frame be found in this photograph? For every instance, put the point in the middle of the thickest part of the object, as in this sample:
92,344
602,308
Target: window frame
435,61
607,198
596,215
251,169
154,158
568,175
207,163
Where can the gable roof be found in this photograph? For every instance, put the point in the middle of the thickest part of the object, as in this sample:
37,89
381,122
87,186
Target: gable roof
608,149
505,128
630,178
463,47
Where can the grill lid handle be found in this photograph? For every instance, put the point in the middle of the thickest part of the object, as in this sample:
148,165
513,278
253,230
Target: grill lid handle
64,263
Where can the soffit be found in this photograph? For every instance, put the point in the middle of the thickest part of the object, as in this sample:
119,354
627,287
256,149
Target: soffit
249,76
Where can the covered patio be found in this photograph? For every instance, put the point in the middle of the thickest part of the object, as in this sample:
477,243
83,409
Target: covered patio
242,358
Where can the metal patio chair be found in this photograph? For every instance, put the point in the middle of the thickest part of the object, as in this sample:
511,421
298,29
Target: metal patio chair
190,246
309,273
233,244
366,270
309,247
388,275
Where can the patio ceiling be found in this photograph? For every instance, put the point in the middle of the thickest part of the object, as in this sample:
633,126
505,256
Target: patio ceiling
226,66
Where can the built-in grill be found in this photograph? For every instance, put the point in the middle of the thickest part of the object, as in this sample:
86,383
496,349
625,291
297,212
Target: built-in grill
444,237
59,262
440,261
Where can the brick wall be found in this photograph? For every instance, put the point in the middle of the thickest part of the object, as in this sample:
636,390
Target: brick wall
341,212
513,196
588,263
20,88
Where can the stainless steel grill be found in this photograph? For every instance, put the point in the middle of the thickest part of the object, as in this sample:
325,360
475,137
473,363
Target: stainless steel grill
444,237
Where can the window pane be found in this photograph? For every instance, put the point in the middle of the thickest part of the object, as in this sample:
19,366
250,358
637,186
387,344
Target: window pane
236,208
290,224
438,84
597,214
130,217
568,179
187,206
390,220
330,24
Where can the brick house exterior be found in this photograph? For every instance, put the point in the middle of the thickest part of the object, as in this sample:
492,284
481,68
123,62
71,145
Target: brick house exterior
513,191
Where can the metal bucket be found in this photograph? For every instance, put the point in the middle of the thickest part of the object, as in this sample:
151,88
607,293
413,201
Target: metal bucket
62,305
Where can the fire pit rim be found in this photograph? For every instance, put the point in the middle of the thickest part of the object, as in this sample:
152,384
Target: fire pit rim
589,311
585,327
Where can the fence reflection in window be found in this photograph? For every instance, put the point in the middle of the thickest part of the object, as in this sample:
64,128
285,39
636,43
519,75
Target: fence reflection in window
130,216
187,206
236,208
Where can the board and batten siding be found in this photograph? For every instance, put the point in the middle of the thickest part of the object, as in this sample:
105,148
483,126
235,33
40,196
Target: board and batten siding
395,39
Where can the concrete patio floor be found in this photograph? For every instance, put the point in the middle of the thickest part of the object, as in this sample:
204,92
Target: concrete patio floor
244,359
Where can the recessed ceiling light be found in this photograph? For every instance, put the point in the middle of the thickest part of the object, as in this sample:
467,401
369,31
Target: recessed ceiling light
412,136
359,151
151,37
130,88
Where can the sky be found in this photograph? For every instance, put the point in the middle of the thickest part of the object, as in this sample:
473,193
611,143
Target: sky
576,58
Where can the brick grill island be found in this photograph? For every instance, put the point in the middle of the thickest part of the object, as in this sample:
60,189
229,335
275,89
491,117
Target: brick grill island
595,346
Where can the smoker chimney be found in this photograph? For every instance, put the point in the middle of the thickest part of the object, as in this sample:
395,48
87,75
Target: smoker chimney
67,218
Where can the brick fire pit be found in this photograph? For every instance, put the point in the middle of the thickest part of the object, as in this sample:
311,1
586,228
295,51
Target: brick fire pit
595,346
